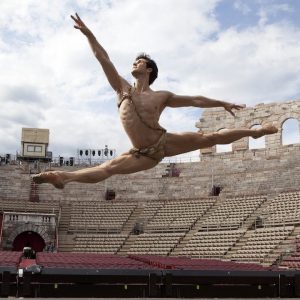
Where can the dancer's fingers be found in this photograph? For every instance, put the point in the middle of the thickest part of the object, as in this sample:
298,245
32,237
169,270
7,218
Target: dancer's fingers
242,106
78,17
75,20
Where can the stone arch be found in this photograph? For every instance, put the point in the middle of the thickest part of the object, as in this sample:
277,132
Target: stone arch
283,117
259,143
29,239
29,227
290,131
223,148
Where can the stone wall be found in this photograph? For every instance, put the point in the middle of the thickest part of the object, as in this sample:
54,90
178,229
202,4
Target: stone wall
277,113
15,223
273,169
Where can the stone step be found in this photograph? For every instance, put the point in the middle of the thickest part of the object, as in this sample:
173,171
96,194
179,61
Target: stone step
129,225
127,244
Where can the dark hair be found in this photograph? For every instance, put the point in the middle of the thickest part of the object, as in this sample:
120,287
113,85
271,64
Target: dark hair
150,64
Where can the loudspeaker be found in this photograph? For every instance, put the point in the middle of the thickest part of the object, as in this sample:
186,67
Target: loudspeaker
106,152
297,285
110,195
138,228
168,285
7,158
5,284
26,283
153,287
71,161
216,190
61,161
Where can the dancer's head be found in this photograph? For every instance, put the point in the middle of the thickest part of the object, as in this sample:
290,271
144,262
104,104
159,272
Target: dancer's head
150,66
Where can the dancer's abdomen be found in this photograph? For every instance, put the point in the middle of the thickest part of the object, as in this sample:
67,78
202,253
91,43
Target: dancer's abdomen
139,134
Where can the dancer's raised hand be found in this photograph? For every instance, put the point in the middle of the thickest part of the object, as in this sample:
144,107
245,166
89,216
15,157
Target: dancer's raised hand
230,106
80,25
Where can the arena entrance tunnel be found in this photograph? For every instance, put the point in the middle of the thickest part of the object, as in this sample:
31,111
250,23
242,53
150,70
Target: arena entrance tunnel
29,239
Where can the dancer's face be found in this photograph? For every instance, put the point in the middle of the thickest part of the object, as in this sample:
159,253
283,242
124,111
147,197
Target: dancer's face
139,66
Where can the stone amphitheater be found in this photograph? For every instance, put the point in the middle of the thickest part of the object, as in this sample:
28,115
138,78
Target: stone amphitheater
238,206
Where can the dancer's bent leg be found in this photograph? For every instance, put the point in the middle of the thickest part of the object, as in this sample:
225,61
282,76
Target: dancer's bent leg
124,164
190,141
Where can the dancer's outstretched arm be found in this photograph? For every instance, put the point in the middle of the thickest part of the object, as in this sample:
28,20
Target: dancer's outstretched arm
200,101
109,69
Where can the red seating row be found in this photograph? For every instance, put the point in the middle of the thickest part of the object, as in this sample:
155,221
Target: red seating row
111,261
10,258
185,263
88,260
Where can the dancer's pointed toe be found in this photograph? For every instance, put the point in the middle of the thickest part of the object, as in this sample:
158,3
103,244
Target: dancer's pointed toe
266,129
53,178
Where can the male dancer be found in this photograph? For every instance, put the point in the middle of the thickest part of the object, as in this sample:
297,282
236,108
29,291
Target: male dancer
140,108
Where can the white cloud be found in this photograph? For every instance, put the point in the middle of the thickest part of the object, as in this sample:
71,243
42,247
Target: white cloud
271,10
242,7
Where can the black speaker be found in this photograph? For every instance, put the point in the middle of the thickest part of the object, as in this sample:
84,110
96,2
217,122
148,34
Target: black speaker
5,284
153,287
168,285
27,283
110,195
7,158
106,152
71,161
216,190
297,285
61,161
138,228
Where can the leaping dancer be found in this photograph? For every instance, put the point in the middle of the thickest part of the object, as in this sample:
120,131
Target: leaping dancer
140,108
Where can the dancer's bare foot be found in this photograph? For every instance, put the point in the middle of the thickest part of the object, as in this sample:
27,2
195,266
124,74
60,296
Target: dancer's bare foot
264,130
54,177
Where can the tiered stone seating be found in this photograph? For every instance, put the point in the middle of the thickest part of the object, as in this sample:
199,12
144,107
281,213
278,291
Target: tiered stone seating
99,243
211,244
100,216
284,209
184,263
151,208
232,212
155,243
262,242
10,258
87,260
179,215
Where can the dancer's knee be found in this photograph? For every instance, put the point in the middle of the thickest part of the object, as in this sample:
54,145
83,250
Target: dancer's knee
108,170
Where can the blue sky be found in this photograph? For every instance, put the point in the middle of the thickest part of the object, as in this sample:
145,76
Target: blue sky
242,14
50,79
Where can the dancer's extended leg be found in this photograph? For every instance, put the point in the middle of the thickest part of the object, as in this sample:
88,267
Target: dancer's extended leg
124,164
190,141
